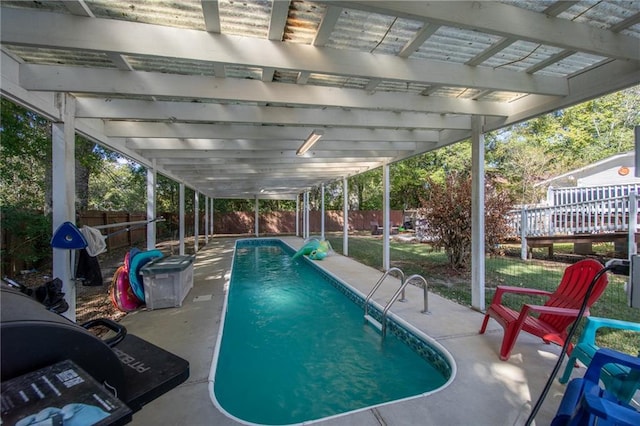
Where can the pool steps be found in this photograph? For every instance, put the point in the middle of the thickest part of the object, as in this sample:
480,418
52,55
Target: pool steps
382,325
374,322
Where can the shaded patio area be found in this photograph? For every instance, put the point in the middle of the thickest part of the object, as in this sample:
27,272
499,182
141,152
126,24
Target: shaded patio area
485,391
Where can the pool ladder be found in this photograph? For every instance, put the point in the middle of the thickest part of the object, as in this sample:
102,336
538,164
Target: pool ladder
382,325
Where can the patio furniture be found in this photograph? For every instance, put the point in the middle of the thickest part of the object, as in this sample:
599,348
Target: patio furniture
585,403
617,379
556,315
376,229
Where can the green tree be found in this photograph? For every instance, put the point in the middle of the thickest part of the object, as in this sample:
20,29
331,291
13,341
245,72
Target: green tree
366,190
25,152
118,186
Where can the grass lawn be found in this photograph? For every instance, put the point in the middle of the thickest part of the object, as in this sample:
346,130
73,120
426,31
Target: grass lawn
502,270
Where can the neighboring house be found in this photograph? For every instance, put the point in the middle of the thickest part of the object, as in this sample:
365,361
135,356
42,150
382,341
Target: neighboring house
615,170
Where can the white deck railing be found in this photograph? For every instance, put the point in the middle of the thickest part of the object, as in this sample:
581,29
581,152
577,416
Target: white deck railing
616,214
589,217
577,194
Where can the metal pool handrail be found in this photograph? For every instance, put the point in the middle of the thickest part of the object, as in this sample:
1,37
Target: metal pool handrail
426,292
382,325
375,287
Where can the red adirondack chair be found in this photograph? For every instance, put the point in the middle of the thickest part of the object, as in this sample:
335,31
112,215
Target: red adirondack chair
555,316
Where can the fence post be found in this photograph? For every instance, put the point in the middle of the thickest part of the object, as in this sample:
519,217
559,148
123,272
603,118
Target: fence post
633,224
523,233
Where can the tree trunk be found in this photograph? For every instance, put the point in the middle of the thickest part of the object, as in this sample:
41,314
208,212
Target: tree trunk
48,176
83,151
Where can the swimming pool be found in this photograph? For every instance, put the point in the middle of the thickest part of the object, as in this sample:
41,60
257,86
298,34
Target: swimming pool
292,348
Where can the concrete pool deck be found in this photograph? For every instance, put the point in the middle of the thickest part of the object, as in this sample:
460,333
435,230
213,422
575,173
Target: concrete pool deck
485,391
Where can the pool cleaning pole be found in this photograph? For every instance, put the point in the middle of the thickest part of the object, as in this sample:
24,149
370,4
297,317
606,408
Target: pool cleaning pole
610,266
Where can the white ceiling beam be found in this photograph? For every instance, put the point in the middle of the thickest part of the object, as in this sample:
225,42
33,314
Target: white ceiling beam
626,23
219,70
133,129
255,184
267,74
107,35
372,84
556,10
291,154
79,8
303,77
603,79
278,21
490,51
558,7
512,22
109,82
311,174
42,103
327,25
119,61
264,168
418,40
211,15
122,109
550,61
311,162
260,145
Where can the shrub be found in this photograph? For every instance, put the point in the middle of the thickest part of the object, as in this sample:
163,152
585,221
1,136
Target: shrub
446,207
28,246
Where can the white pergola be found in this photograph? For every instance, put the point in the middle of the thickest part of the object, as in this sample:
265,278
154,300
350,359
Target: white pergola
219,95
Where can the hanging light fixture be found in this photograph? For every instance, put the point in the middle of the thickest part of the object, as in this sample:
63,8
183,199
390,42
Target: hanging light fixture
310,141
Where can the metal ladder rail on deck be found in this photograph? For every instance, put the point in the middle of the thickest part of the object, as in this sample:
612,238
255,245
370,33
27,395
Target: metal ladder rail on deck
426,292
367,317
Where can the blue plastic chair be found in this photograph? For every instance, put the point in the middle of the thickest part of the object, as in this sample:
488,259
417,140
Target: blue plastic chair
585,403
617,379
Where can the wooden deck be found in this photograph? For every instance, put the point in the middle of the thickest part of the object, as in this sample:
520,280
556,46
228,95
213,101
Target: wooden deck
583,242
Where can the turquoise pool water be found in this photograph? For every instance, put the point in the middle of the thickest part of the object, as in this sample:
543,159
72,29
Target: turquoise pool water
295,349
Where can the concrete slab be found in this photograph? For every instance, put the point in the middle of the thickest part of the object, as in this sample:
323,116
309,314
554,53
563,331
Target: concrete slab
486,391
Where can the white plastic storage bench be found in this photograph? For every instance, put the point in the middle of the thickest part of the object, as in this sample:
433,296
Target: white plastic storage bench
167,280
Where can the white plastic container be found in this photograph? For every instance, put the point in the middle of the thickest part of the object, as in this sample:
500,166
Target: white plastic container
167,281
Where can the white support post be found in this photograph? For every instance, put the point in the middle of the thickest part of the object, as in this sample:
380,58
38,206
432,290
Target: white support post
477,215
212,222
386,258
206,220
306,215
64,200
633,224
181,220
297,215
345,214
151,206
322,212
196,221
256,224
523,234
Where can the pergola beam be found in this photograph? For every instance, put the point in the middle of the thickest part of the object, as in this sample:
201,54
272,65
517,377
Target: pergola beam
53,30
135,83
121,109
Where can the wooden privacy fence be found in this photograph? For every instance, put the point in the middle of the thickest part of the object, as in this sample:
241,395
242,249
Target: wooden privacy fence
279,222
135,235
18,254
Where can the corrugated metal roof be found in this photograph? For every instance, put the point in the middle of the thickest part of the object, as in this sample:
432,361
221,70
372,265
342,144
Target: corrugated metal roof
210,89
